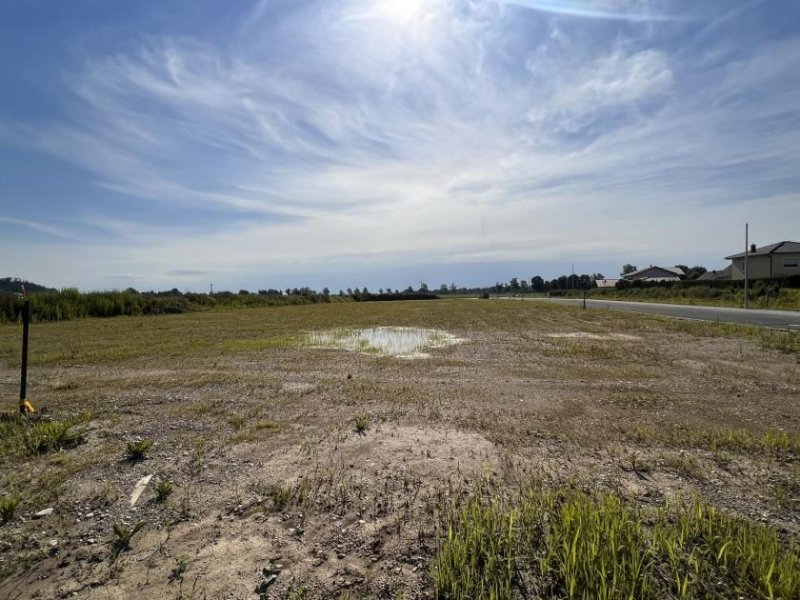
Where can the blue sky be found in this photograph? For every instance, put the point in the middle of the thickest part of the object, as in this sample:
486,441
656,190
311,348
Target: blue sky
278,143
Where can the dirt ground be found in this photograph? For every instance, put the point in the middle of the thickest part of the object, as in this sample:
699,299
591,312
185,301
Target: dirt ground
302,472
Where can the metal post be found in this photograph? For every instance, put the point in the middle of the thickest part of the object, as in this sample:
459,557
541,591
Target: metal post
584,298
23,382
746,254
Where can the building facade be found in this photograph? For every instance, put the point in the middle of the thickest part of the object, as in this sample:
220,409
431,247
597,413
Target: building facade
781,259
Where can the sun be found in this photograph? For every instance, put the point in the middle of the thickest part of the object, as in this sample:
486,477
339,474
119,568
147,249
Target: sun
403,12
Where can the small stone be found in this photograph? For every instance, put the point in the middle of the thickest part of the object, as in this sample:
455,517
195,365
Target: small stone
44,513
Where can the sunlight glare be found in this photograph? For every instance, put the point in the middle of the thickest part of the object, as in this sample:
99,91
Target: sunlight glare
403,12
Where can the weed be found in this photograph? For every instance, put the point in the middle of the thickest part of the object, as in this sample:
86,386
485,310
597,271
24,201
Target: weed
237,422
50,436
298,593
199,454
108,494
122,542
281,497
8,508
163,490
268,576
137,451
361,424
686,466
181,563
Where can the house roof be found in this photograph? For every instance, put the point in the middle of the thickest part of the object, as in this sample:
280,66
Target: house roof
712,275
655,271
777,248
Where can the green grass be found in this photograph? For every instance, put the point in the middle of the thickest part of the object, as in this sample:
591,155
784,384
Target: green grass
22,436
570,544
779,444
786,299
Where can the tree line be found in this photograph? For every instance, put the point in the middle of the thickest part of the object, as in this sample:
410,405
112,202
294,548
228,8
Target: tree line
70,303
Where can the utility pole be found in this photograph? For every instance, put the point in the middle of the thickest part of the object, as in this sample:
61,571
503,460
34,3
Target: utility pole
23,378
572,278
211,288
746,254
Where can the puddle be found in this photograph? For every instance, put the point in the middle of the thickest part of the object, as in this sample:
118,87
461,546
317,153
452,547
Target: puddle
399,342
582,335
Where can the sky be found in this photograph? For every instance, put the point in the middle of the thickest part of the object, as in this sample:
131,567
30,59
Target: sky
349,143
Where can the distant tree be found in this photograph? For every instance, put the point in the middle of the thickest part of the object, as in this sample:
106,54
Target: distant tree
349,291
628,268
288,292
596,276
523,284
443,288
423,287
537,283
341,292
695,272
584,282
514,284
408,290
326,292
683,267
244,293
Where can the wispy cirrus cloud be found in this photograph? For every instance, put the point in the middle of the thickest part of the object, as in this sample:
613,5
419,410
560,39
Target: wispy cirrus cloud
440,131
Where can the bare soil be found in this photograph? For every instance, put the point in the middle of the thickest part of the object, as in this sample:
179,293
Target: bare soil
628,404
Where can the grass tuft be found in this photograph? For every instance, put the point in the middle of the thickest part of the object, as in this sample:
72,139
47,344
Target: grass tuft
281,497
361,424
22,436
8,508
137,451
122,541
163,490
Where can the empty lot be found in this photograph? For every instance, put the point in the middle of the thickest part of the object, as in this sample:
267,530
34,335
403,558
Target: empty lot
304,471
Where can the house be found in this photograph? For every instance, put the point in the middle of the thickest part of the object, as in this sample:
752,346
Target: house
781,259
654,273
723,275
606,283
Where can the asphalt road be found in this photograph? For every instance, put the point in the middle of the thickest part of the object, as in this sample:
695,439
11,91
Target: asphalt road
775,319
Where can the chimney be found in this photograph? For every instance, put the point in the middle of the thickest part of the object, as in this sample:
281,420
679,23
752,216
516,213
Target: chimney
752,248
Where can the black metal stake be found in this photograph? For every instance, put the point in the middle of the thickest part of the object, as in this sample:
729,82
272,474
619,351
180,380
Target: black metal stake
23,382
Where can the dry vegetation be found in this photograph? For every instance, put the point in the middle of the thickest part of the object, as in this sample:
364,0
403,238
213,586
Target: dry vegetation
285,471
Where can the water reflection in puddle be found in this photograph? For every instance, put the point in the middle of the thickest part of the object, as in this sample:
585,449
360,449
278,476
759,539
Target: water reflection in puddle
400,342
